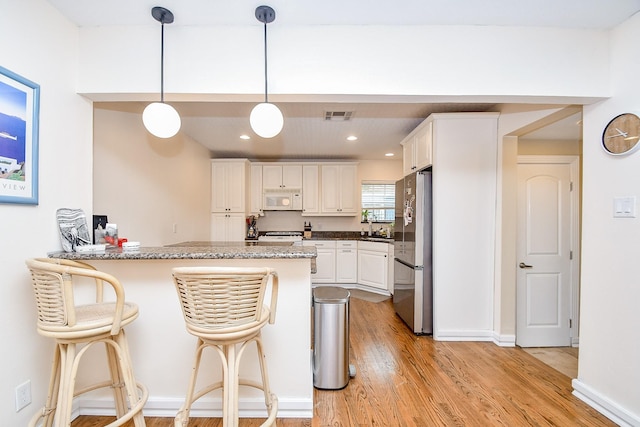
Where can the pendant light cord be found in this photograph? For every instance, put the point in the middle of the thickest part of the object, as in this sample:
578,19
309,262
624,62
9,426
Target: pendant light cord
162,64
266,99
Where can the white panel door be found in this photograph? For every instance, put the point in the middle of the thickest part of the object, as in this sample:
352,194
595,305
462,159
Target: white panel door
330,175
349,189
256,190
544,255
310,186
347,262
292,176
325,266
218,227
228,227
228,186
372,269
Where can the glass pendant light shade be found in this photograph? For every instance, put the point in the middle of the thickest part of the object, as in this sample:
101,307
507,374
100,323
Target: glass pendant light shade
266,120
161,120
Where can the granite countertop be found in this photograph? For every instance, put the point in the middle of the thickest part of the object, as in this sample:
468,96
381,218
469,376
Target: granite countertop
198,250
346,235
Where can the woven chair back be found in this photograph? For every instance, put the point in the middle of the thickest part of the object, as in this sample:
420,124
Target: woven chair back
217,298
52,282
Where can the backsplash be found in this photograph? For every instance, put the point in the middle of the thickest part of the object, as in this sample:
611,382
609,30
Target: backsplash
294,221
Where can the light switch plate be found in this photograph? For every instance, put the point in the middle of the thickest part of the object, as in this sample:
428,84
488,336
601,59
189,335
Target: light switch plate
624,207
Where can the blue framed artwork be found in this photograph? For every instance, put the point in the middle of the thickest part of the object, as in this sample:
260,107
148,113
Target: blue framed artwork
19,112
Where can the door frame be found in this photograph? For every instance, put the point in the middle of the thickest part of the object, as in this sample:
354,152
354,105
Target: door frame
573,161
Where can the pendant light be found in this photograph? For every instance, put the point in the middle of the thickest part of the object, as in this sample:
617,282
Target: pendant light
160,119
266,119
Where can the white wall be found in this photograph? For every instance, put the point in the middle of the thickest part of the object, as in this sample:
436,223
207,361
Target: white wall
147,185
38,44
609,372
464,214
436,62
432,63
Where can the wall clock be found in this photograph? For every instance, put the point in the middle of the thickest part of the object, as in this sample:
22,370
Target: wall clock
621,135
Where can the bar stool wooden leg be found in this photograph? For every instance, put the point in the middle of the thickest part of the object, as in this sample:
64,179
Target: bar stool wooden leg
67,378
48,411
182,417
268,398
230,388
117,382
126,387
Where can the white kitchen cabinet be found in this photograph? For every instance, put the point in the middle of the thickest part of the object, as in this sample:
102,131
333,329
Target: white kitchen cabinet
325,261
228,227
417,148
339,189
346,261
310,189
373,265
282,176
255,190
228,182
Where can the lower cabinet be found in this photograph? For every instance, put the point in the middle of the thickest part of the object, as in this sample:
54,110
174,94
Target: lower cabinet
228,227
352,262
347,261
373,264
325,261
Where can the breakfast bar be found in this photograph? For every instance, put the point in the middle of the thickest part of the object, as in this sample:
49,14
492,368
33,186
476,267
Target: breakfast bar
162,350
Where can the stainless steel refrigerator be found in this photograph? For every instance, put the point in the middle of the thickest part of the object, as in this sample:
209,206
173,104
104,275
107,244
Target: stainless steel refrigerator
413,273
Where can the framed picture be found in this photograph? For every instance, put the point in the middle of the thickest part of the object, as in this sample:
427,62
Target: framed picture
19,112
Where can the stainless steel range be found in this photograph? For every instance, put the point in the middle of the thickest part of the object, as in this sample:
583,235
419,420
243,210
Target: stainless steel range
282,236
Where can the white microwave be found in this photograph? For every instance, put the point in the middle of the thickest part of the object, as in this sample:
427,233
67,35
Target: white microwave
282,200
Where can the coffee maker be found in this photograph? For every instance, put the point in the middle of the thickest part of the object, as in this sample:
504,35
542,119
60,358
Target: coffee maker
252,230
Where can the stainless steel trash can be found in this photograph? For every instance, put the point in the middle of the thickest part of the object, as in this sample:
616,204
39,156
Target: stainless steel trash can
330,337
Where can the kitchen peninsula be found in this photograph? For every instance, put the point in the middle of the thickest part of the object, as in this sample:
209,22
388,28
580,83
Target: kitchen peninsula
162,350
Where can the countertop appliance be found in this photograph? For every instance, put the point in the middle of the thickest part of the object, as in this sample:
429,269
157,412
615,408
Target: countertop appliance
282,236
282,200
413,277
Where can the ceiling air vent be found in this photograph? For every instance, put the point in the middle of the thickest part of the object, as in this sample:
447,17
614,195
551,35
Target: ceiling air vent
338,116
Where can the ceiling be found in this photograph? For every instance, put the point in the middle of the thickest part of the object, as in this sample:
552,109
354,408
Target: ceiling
379,127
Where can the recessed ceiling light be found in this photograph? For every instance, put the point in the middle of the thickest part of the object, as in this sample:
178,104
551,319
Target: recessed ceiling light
352,138
245,137
389,154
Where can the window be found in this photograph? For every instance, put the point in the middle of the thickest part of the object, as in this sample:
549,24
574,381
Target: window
378,201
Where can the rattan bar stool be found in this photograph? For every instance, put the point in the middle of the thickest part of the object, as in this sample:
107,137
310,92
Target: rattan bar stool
71,325
223,307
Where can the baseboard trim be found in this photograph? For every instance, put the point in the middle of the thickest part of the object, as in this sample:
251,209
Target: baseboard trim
504,340
605,406
499,340
205,407
463,335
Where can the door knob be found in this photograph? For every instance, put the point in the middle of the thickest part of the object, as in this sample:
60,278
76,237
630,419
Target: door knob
523,265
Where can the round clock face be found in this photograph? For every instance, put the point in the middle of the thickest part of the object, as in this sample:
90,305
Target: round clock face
621,135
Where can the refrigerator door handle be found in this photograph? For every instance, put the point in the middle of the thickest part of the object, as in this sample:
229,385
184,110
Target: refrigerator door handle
415,267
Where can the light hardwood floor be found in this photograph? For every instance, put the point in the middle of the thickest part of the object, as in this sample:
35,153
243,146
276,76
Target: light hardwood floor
406,380
564,359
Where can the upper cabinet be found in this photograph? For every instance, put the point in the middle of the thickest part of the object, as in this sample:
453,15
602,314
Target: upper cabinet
339,189
228,185
282,176
417,148
310,189
255,191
